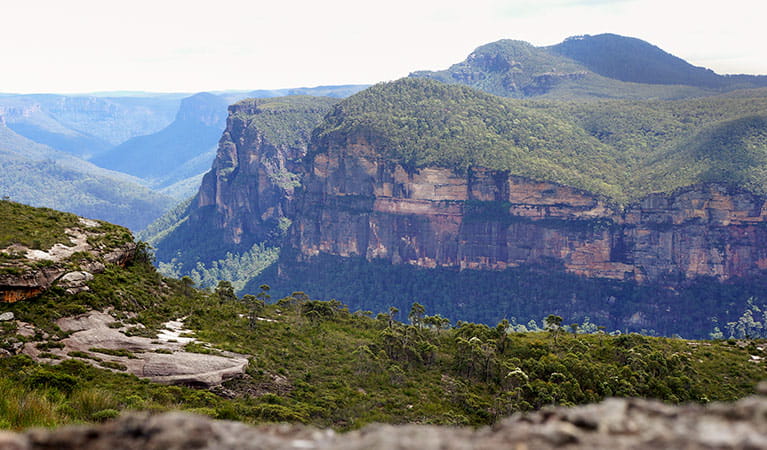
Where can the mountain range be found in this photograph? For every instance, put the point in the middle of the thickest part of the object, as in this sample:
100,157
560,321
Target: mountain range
154,147
613,184
602,66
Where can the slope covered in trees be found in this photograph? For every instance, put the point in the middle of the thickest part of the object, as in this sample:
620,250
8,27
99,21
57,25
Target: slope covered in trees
621,149
318,362
602,66
40,176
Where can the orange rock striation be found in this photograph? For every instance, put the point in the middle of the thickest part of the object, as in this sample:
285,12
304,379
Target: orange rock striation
358,204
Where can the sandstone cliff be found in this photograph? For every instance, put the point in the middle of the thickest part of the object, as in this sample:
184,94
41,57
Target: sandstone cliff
357,203
245,197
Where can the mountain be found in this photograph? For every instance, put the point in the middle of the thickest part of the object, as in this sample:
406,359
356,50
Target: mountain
440,178
645,214
41,176
110,335
182,149
604,66
636,61
244,199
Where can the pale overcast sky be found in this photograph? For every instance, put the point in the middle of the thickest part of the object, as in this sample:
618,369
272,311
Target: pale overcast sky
189,46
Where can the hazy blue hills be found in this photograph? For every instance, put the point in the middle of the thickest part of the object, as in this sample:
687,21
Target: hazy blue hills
85,125
319,91
183,149
41,176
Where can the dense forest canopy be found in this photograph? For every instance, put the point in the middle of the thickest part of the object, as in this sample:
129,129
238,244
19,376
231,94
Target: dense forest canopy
622,149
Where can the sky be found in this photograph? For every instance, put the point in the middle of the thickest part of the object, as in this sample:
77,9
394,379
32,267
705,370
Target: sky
77,46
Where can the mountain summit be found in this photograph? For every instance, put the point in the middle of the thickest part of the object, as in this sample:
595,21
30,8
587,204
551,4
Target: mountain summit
605,65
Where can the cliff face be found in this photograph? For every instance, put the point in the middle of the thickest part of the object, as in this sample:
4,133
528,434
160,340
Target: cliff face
356,203
255,172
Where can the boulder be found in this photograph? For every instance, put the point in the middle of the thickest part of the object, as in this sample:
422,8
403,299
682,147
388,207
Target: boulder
612,424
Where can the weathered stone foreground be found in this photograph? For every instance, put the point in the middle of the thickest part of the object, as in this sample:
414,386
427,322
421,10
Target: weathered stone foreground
612,424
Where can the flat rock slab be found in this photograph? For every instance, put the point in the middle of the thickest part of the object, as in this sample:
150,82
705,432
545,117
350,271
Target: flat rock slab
160,360
192,368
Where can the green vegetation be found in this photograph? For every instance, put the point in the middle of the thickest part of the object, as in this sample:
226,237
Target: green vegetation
623,150
284,121
420,123
37,228
316,362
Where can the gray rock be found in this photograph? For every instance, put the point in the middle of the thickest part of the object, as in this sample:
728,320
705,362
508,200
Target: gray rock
6,316
75,282
639,424
178,367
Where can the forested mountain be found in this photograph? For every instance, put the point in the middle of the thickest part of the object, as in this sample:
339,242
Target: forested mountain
622,150
636,61
614,189
602,66
616,154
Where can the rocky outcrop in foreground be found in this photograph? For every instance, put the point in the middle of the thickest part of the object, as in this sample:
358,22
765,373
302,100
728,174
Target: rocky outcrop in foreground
98,338
70,266
612,424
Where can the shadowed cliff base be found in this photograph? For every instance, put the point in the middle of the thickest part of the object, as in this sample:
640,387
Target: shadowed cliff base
691,309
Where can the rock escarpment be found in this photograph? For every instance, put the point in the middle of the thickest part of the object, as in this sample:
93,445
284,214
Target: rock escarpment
257,166
246,196
612,424
357,203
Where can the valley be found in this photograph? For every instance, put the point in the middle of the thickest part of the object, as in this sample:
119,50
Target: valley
532,227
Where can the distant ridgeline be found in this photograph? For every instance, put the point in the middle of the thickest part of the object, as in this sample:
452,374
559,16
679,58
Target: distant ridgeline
602,66
641,214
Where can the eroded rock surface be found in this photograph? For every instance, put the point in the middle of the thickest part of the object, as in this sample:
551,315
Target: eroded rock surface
162,359
356,203
35,271
612,424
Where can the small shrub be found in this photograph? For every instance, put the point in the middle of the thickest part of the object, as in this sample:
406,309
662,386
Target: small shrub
113,365
105,414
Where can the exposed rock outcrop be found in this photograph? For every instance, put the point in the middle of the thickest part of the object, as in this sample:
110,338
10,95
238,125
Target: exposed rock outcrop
612,424
162,359
31,272
257,167
358,204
